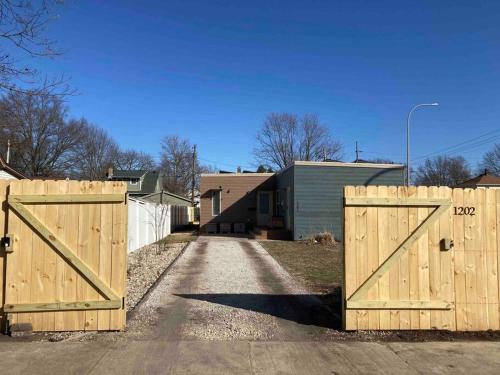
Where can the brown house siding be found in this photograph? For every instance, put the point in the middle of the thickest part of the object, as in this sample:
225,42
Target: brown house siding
238,197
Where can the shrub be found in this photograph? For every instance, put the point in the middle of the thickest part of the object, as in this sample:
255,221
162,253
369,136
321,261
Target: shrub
323,238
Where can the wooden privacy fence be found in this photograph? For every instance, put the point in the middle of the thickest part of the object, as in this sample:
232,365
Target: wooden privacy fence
64,254
421,258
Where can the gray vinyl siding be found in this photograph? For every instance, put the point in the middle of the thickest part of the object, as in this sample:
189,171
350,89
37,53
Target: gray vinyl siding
285,180
318,195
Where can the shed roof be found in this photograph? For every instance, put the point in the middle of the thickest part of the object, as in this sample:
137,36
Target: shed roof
168,197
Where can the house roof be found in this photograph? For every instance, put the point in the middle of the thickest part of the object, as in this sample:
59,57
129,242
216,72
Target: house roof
4,166
127,173
149,180
347,164
485,179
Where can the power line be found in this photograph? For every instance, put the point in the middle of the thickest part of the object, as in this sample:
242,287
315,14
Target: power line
464,145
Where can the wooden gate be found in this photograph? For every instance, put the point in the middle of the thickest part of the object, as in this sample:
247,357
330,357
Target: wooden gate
65,252
421,258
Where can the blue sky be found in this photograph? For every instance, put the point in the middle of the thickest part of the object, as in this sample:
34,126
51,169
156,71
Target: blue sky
211,71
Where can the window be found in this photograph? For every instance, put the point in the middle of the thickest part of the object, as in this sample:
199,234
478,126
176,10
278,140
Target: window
133,182
216,197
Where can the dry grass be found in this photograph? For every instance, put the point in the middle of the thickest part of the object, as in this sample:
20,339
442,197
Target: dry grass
318,266
179,237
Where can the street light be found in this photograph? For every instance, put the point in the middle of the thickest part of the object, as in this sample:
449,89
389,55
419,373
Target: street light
408,138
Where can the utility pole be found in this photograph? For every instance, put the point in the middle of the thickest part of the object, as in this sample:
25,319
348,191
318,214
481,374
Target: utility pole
358,151
193,175
7,159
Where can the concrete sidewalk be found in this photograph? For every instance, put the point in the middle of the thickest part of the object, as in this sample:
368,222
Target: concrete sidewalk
246,357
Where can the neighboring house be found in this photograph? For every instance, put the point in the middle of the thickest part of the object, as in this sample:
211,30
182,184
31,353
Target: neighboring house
303,199
139,182
9,173
483,180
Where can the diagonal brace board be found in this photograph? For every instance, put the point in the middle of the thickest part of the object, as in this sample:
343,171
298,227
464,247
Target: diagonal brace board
71,258
354,301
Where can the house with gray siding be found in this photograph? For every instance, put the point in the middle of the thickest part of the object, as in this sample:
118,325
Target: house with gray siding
316,192
302,200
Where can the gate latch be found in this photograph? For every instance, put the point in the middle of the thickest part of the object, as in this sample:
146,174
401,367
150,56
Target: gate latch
446,244
7,243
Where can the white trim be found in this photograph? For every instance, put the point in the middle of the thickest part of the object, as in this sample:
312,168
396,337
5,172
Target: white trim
342,164
309,163
237,174
220,202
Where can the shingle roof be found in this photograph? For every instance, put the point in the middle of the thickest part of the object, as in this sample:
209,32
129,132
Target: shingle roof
128,173
485,179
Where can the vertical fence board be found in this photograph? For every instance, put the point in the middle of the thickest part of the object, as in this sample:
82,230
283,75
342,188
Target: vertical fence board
491,259
372,255
434,257
118,258
460,265
103,316
383,237
446,259
394,276
361,254
404,270
350,240
26,246
4,186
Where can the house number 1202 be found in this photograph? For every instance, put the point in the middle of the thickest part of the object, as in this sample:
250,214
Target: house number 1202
465,211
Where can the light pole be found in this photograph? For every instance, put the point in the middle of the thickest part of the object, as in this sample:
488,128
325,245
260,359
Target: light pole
408,138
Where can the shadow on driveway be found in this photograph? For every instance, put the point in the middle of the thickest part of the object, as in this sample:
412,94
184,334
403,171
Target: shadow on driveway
306,309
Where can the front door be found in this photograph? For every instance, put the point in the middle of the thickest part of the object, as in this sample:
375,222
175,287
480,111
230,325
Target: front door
264,208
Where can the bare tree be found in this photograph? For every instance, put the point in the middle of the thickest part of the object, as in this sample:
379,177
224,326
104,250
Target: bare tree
134,160
381,161
178,167
95,152
42,139
491,160
158,220
443,171
22,27
176,164
285,138
316,141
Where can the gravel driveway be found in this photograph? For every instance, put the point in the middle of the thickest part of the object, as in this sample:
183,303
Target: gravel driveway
226,289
